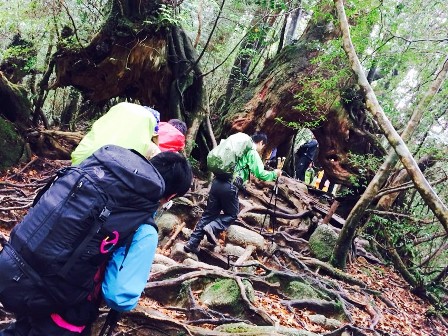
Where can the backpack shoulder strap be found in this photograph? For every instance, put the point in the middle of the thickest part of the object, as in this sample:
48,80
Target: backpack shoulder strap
59,173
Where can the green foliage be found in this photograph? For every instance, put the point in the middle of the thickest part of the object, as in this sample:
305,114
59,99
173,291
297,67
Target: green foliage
312,124
21,52
271,4
365,162
11,145
166,17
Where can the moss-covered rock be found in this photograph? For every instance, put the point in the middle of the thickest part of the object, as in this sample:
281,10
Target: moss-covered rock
166,223
322,242
11,145
299,290
224,295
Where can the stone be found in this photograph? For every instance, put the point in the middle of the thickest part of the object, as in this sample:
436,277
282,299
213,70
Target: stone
158,268
322,242
301,291
328,323
230,249
178,254
161,259
241,236
224,295
166,224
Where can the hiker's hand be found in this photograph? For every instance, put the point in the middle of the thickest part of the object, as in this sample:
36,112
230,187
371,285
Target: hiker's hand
278,172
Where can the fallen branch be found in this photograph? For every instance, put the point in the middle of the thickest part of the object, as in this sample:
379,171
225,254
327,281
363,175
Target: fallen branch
173,237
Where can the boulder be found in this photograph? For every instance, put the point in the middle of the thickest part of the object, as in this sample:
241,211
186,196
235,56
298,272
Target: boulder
224,295
158,268
322,242
178,254
12,147
167,223
301,291
241,236
235,250
161,259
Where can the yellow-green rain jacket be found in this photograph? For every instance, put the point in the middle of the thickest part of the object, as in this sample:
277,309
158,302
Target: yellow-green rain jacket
125,124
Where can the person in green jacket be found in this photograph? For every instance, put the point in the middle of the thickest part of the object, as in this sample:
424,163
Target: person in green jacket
126,125
223,195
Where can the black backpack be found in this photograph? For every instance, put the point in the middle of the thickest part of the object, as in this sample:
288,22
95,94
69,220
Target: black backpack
86,213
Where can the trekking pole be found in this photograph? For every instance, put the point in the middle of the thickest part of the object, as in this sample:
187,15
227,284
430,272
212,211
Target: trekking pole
280,164
270,201
110,324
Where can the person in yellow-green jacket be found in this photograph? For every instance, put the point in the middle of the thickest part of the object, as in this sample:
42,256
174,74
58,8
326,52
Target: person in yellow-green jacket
223,194
126,125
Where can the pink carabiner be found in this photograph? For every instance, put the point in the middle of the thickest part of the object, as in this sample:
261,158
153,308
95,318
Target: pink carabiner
104,247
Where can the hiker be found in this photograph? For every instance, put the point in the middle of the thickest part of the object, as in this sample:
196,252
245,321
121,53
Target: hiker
171,135
223,195
306,155
91,231
127,125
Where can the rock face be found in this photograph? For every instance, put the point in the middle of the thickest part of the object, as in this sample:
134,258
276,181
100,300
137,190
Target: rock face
224,295
241,236
322,242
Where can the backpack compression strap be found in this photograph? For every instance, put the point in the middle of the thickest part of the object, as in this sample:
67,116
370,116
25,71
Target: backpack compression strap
105,213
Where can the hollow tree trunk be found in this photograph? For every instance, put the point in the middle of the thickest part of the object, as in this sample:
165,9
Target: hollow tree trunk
137,56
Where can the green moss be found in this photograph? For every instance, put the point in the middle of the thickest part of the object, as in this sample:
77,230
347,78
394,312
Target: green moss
225,295
322,242
300,290
11,145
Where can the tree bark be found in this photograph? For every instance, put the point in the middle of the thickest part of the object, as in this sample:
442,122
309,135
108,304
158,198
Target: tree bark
432,200
294,17
290,93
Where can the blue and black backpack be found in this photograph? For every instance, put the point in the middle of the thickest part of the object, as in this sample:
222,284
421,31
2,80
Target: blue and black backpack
83,216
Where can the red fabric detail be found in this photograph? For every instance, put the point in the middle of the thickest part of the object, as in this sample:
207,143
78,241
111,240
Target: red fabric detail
65,325
170,138
95,295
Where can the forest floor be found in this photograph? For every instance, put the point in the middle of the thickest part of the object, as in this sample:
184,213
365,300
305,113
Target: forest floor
397,311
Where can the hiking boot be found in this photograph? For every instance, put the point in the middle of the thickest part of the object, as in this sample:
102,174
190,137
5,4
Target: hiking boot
210,235
191,249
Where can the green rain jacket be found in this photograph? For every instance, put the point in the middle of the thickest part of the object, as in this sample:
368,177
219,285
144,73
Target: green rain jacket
125,124
252,163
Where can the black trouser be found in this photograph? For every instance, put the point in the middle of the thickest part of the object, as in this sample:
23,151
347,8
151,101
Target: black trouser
302,165
32,305
223,196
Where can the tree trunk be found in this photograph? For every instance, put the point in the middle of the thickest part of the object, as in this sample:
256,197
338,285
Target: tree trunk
294,88
440,211
137,56
294,17
251,46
